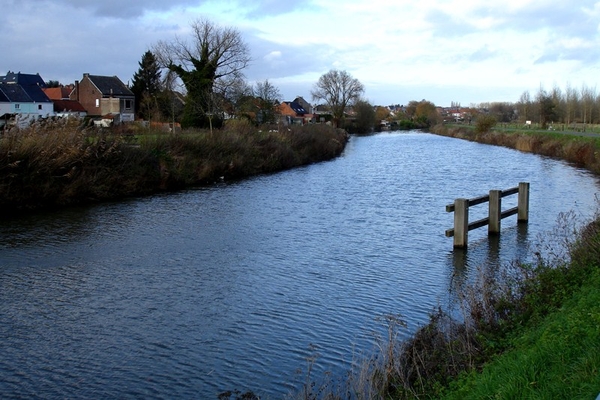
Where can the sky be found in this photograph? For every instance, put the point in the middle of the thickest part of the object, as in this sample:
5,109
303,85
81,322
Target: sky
444,51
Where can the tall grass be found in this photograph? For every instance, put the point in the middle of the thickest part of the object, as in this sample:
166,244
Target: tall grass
60,162
582,151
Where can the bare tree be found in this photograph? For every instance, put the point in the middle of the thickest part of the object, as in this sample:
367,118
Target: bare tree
212,56
525,106
571,101
588,96
268,97
338,89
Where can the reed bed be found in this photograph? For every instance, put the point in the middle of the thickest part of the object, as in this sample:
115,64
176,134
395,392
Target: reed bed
59,163
582,151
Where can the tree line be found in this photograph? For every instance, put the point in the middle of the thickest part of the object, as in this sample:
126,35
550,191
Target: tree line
199,82
574,107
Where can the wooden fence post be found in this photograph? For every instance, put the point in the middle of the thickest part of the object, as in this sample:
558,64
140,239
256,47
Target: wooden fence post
495,212
523,204
461,222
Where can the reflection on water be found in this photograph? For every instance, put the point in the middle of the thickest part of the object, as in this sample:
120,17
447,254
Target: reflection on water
233,287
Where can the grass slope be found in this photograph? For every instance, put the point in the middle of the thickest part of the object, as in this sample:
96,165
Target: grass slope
559,359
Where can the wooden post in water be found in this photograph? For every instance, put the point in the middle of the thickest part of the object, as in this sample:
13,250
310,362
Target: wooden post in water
495,212
523,204
461,222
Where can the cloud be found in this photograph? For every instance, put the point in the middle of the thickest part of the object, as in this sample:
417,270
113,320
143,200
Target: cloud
264,8
126,9
482,54
391,46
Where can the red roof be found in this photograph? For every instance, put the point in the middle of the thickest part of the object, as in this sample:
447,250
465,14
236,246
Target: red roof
57,93
68,105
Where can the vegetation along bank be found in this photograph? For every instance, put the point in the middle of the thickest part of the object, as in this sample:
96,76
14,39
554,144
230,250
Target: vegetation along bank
582,151
61,163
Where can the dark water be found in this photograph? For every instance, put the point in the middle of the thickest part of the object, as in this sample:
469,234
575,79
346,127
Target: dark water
233,287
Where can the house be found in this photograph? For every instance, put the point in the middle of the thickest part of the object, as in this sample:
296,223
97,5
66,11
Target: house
106,97
297,111
63,105
22,94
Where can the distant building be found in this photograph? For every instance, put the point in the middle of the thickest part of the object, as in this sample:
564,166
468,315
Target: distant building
23,95
298,112
63,105
106,97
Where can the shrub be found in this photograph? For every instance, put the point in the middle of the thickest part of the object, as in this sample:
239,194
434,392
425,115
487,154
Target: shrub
484,123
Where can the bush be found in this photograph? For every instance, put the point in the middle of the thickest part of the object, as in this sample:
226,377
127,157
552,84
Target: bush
484,123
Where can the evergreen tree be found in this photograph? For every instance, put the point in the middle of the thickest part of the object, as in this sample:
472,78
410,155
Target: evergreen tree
146,86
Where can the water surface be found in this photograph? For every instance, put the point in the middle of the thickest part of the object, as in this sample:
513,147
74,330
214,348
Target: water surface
235,286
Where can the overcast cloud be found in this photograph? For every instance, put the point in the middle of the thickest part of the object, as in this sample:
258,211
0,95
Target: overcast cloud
443,51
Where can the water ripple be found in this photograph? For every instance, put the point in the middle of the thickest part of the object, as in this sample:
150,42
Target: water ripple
244,285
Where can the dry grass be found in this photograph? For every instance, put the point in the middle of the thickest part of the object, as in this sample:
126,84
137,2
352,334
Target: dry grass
581,151
60,163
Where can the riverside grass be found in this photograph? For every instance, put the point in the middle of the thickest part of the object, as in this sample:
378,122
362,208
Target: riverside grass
583,151
61,163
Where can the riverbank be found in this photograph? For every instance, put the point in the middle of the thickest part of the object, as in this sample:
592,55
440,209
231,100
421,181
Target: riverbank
582,151
60,163
531,331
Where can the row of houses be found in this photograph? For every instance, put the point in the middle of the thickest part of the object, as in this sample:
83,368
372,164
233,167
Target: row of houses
299,111
27,97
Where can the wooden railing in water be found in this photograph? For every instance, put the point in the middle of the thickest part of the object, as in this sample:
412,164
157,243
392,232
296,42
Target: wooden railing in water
494,198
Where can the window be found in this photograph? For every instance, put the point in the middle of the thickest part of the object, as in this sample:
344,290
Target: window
128,104
39,106
17,106
97,102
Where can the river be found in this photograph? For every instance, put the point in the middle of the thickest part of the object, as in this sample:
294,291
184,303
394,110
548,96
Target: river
236,286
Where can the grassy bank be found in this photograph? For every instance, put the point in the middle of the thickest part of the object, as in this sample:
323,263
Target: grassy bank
582,151
61,163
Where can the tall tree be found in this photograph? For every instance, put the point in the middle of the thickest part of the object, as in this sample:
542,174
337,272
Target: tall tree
214,56
365,119
547,106
588,97
338,89
571,101
525,106
269,98
146,85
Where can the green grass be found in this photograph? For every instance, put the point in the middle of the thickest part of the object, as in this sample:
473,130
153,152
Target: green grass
559,359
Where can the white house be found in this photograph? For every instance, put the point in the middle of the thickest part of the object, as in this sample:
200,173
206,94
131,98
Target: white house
22,94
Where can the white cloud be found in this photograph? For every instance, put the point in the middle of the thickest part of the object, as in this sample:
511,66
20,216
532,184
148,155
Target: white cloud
448,49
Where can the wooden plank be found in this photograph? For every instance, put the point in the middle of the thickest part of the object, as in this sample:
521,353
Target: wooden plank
510,191
510,212
483,199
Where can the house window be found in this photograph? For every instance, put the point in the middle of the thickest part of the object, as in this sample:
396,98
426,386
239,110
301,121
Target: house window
17,106
39,106
128,104
97,102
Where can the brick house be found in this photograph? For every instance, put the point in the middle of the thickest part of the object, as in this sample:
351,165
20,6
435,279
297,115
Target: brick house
296,112
105,96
